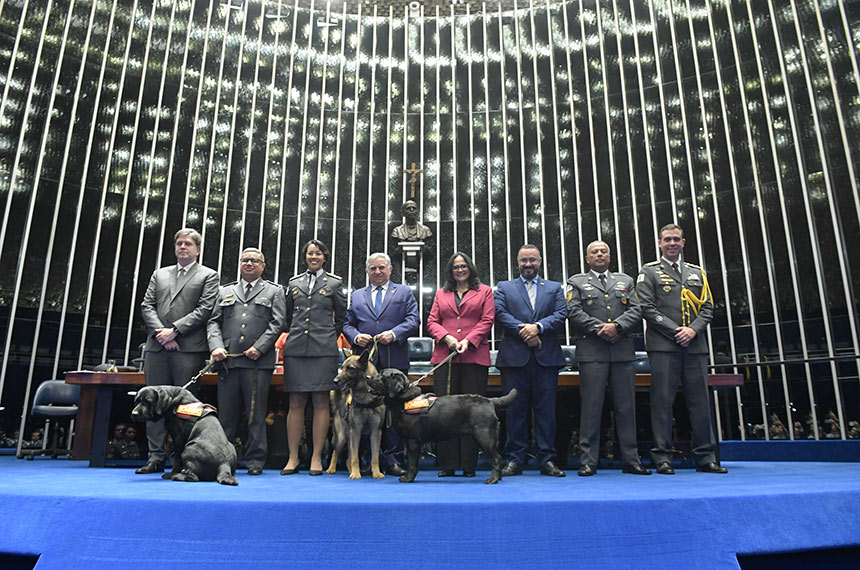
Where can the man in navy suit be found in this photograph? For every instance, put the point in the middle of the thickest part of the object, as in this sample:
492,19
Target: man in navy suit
531,311
388,312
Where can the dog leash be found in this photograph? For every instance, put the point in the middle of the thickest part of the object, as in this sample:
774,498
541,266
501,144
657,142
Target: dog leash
209,364
432,370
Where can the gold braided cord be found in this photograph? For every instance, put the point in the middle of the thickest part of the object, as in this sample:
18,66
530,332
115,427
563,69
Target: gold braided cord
689,301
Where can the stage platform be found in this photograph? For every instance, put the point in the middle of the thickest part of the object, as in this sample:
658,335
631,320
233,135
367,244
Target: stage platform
64,514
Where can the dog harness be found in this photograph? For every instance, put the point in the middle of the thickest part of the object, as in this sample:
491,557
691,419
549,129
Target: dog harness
420,404
195,410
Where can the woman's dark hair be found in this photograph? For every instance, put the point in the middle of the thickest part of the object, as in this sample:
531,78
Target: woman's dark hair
450,284
319,245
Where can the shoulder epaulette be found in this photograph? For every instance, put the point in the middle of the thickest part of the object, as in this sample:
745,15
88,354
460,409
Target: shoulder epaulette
652,263
271,282
333,275
230,284
693,265
294,277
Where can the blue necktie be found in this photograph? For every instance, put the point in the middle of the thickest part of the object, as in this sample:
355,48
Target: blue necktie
377,303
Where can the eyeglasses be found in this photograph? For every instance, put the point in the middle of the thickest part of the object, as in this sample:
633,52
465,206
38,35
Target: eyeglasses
254,261
460,267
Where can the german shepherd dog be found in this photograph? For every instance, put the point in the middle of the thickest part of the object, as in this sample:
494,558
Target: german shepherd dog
448,417
201,450
356,412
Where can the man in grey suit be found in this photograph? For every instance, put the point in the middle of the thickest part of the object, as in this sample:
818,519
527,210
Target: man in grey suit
677,305
247,320
603,311
176,308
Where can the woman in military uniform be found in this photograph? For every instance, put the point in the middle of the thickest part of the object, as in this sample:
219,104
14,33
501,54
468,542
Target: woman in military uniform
316,312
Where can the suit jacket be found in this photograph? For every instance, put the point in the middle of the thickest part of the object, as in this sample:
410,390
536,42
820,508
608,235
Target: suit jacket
185,305
399,314
513,308
658,289
314,318
590,304
472,320
239,322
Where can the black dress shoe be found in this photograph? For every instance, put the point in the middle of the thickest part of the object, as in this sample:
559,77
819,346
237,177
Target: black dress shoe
292,471
315,472
395,470
711,468
511,469
255,470
636,469
445,473
586,471
550,469
467,473
665,468
150,467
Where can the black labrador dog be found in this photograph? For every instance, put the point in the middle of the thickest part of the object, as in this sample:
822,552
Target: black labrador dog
418,419
201,449
357,411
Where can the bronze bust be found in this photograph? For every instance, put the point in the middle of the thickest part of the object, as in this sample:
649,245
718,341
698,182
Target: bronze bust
411,229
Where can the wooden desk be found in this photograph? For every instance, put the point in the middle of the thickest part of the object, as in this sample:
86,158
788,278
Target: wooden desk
93,419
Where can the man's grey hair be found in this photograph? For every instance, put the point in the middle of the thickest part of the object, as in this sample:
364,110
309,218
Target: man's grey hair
253,250
588,247
373,256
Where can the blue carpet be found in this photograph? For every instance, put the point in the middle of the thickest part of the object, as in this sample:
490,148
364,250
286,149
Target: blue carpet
74,516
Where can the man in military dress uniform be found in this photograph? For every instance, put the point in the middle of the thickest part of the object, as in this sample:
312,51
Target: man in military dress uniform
603,311
677,305
247,320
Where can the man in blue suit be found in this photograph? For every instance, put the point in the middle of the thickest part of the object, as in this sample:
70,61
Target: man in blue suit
531,311
388,312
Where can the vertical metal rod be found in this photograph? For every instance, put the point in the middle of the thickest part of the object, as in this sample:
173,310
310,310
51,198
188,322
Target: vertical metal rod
706,135
22,259
590,111
374,62
191,167
390,65
269,124
792,261
136,278
610,147
251,125
487,131
355,133
645,134
666,146
523,195
439,260
468,114
228,165
505,145
175,135
327,33
547,263
286,138
127,186
214,132
455,186
810,219
557,143
70,262
338,124
577,205
629,139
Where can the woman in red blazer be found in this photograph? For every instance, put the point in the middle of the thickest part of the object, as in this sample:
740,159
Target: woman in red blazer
460,320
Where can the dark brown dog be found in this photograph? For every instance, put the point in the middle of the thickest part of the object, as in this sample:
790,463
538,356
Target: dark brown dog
201,449
356,412
448,417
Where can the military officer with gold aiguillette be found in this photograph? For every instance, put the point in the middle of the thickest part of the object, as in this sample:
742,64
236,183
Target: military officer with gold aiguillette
604,312
677,305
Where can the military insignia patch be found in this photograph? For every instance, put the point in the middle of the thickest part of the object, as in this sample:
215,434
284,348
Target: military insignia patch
666,288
